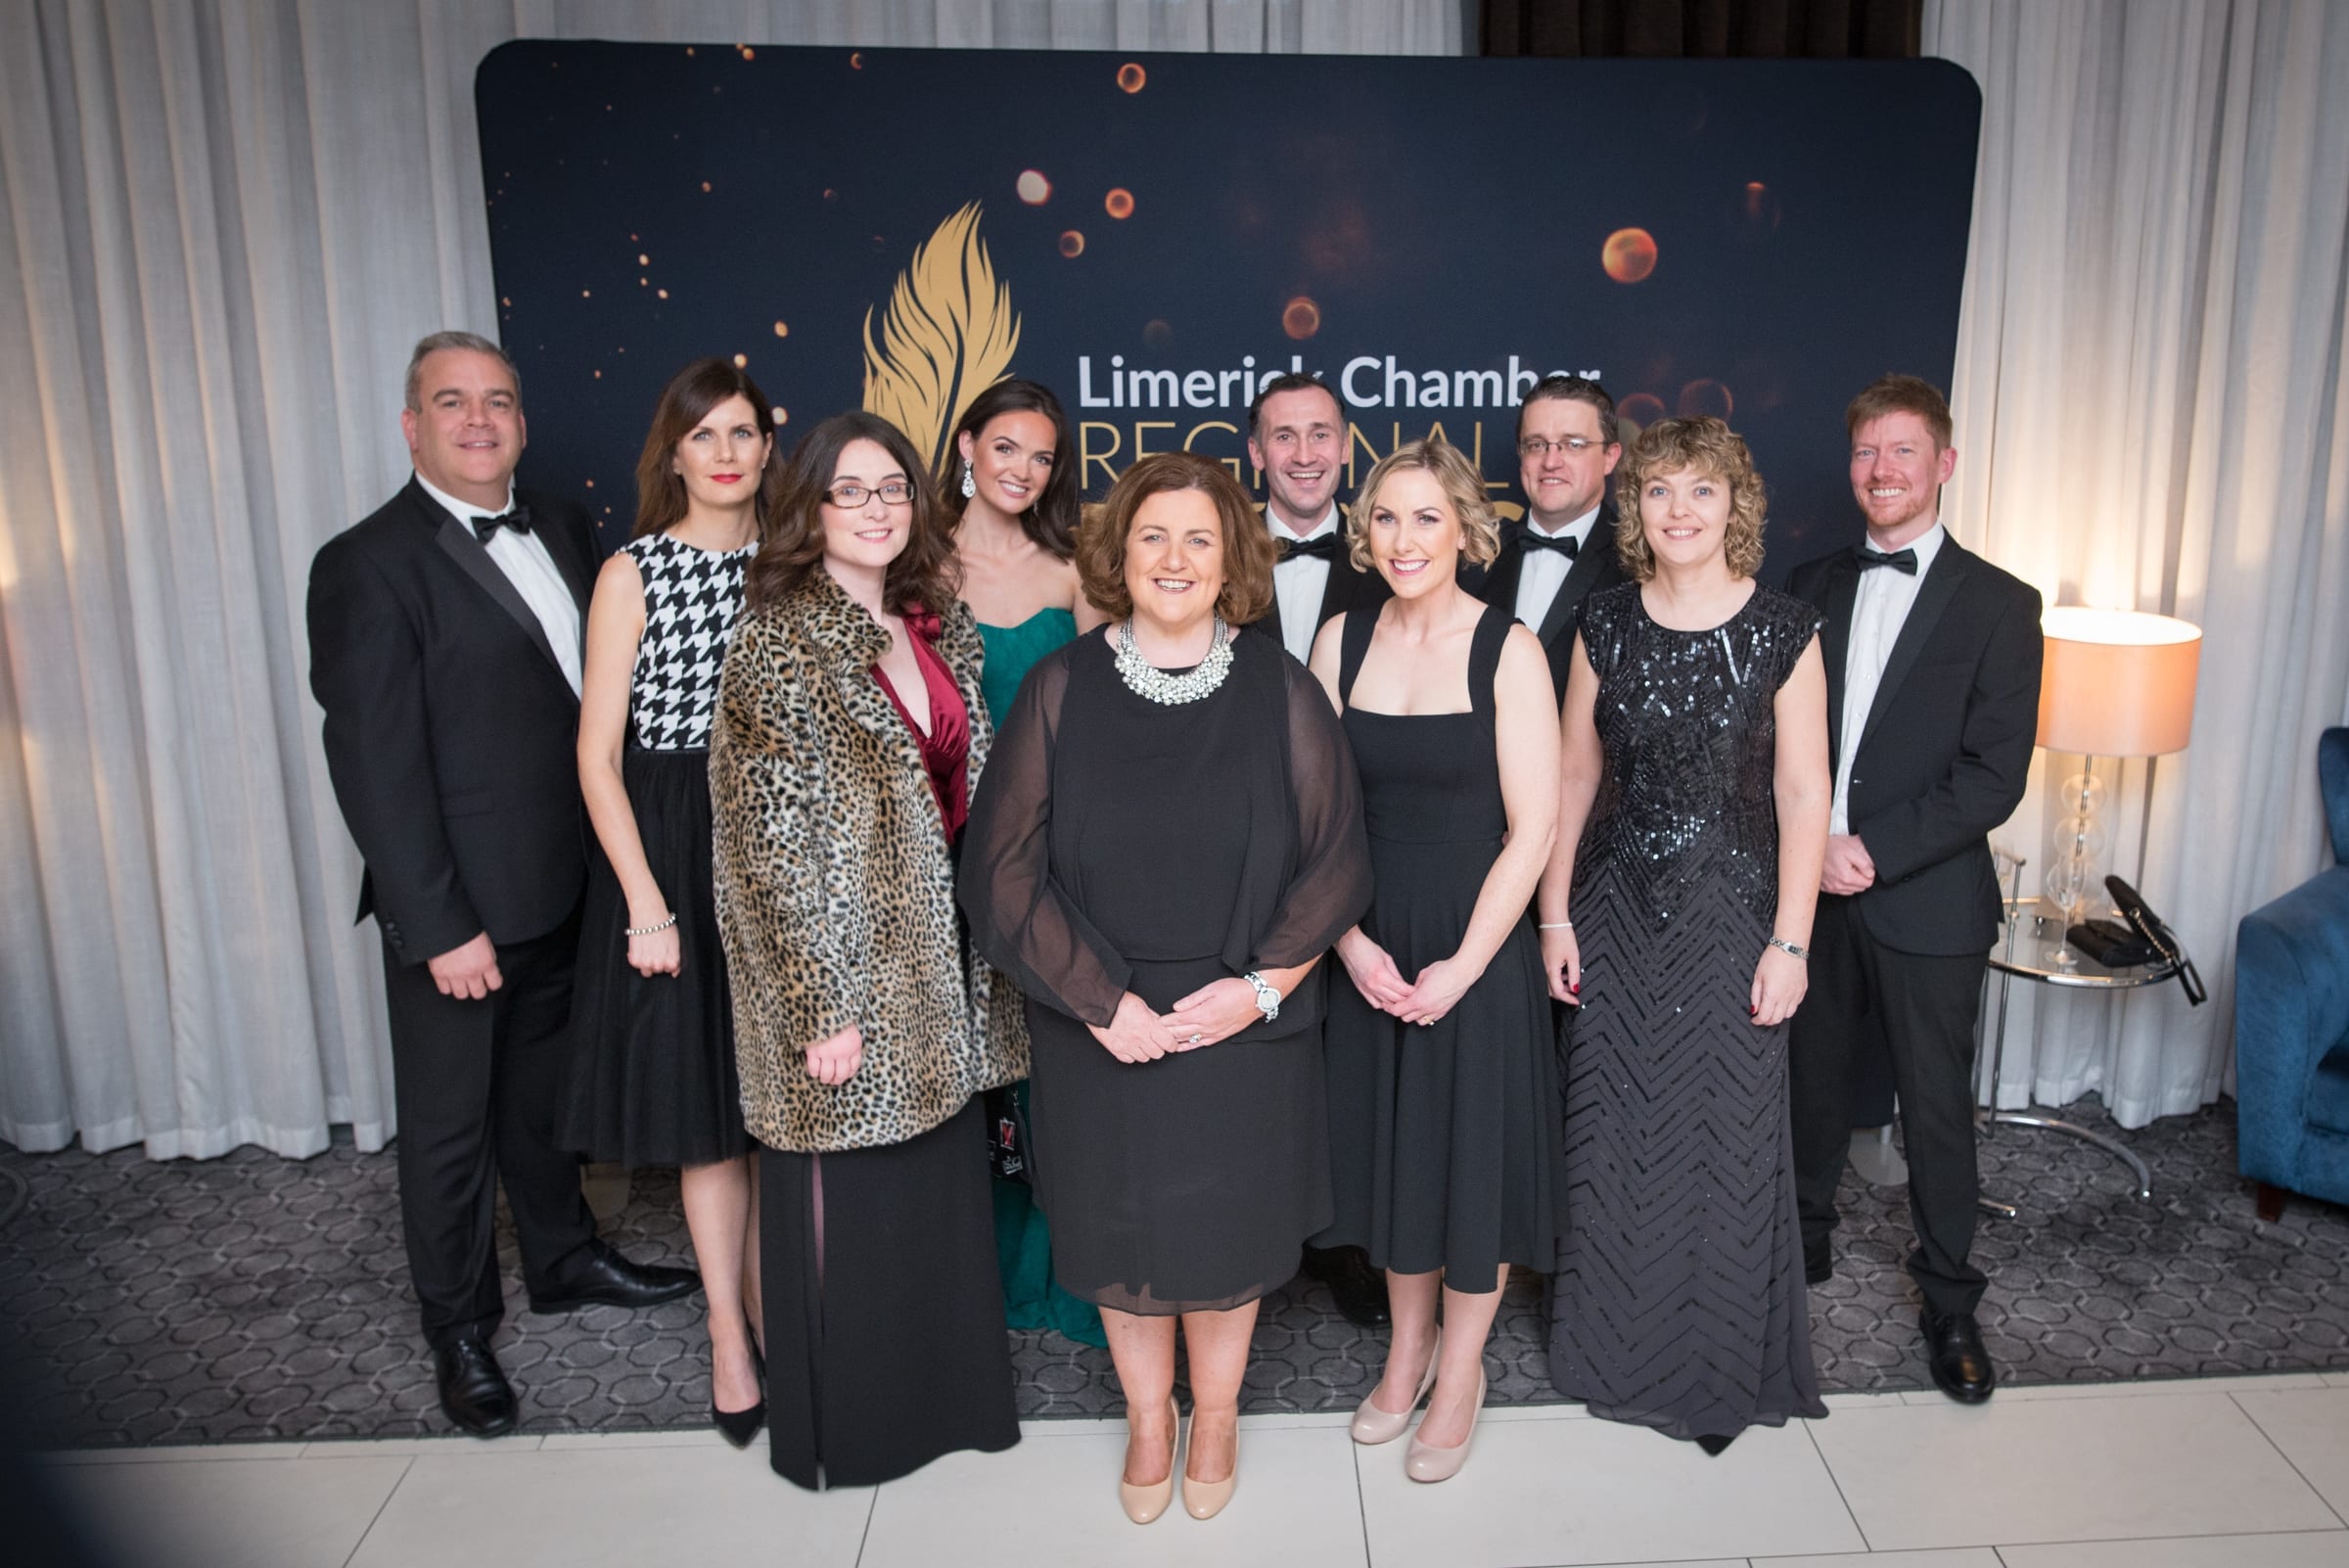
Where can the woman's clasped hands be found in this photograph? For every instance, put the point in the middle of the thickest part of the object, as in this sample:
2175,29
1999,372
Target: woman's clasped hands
1372,969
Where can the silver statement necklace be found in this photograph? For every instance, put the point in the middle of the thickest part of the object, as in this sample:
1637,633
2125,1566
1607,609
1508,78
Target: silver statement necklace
1145,679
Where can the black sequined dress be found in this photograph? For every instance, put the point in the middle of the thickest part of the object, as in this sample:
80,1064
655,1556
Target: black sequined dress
1679,1302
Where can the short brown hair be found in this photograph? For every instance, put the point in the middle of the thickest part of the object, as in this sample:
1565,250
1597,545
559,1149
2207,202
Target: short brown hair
925,576
1710,447
1247,553
1558,387
1464,488
684,403
1901,395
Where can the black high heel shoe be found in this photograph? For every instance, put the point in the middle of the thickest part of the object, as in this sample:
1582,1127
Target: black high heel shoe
738,1427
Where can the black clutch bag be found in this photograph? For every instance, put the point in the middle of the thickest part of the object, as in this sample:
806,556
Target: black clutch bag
2110,943
2163,941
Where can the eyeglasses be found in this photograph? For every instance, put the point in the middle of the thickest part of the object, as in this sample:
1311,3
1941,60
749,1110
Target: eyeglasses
1533,448
848,496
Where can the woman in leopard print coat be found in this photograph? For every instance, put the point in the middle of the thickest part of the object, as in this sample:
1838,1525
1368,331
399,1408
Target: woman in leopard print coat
849,731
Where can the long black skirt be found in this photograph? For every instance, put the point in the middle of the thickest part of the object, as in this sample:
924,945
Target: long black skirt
894,1353
652,1077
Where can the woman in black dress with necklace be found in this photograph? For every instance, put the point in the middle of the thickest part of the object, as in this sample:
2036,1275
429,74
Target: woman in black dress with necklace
1441,1076
1168,840
1696,749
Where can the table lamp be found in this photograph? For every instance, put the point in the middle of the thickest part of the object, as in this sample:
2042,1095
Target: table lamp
2116,683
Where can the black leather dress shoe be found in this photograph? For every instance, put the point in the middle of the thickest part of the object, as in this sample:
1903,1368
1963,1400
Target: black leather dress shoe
473,1391
1961,1367
1818,1263
1360,1290
599,1277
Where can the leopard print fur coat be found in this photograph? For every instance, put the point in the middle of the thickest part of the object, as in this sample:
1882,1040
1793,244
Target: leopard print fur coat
835,891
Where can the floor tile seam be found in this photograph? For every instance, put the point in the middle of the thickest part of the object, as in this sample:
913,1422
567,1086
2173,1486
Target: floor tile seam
407,1467
1811,1435
2269,1439
872,1507
1361,1504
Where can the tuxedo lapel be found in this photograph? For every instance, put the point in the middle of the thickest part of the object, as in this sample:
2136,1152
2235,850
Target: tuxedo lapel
1589,563
456,542
1933,596
1500,584
1836,640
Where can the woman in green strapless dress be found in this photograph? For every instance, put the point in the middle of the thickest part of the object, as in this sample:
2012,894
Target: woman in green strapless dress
1015,506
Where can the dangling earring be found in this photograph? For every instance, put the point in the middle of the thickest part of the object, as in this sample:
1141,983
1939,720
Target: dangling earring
970,485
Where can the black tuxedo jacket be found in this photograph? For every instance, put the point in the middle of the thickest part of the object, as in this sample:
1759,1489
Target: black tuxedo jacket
1943,757
1596,566
450,732
1347,589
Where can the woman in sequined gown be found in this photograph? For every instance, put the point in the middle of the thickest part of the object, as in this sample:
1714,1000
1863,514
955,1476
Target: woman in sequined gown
1692,827
1010,494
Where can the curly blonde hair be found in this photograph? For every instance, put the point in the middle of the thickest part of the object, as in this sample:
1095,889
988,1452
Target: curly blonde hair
1675,446
1463,488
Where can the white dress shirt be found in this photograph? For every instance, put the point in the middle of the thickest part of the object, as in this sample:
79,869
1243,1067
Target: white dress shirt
525,560
1882,608
1299,584
1540,574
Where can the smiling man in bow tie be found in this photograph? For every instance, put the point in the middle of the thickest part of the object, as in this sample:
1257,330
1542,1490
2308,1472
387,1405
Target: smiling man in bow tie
1563,548
1297,439
445,648
1933,663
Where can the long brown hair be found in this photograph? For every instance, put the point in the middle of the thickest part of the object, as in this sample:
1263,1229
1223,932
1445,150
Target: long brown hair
1050,520
923,576
684,403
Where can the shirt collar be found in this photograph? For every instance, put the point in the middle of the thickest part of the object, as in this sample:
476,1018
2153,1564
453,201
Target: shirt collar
1280,530
1928,545
1580,528
462,511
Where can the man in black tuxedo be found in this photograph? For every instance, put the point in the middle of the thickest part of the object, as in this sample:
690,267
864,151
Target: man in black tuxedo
1297,439
1563,549
1933,660
445,649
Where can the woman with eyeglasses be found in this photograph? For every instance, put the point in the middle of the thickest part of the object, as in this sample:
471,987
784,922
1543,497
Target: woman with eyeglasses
849,732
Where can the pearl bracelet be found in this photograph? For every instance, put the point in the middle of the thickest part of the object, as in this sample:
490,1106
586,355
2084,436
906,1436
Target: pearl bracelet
1553,925
647,931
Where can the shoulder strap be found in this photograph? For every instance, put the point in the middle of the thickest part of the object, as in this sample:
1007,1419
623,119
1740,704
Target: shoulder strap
1484,656
1353,644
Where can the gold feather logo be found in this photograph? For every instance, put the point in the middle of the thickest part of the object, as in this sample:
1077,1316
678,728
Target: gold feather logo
948,335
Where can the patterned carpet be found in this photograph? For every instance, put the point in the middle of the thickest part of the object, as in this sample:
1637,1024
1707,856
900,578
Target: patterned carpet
255,1298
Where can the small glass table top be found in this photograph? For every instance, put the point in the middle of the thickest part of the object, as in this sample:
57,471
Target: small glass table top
2032,939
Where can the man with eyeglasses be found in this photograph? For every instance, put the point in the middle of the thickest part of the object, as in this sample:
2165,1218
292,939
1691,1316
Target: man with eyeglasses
1563,549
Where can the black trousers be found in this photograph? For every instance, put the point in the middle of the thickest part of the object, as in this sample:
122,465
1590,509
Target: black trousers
477,1086
1922,1009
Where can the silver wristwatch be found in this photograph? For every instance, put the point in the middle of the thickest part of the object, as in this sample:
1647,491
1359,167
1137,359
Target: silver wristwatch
1268,1000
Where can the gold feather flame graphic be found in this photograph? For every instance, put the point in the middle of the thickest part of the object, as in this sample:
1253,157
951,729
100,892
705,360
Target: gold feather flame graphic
948,335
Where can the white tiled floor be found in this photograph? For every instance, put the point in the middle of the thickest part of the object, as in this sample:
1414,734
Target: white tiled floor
2232,1473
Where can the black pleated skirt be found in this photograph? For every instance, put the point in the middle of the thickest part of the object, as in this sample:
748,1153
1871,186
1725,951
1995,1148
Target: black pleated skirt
653,1079
894,1353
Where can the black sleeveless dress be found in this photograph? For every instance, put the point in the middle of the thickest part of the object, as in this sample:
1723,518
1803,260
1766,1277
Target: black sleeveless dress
1679,1302
1443,1143
653,1079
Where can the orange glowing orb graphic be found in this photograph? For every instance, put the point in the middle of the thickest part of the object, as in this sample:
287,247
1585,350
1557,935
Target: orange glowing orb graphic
781,417
1118,202
1072,243
782,331
1131,76
1033,188
747,53
1640,409
643,260
1701,399
1158,332
1301,318
1630,255
741,361
857,62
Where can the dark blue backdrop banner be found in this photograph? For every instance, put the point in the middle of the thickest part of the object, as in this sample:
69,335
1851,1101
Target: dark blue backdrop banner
1153,235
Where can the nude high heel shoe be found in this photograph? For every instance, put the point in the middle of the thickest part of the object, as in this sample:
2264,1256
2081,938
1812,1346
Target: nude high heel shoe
1204,1500
1142,1505
1426,1462
1373,1425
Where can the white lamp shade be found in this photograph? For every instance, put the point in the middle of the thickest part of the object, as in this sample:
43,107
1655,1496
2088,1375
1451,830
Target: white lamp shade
2117,682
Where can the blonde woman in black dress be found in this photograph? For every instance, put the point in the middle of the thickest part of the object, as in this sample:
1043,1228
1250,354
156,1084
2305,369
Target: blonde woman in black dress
1441,1084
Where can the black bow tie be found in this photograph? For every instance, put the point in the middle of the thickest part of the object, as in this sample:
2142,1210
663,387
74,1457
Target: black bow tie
1900,560
1328,547
519,520
1566,545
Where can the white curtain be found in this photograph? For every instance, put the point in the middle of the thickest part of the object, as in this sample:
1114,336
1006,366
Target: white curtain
2153,412
221,228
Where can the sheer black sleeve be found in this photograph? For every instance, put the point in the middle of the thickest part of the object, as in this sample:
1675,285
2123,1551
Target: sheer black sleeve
1331,887
1021,920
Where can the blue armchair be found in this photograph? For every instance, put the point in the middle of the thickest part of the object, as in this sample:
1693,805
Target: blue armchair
2291,1020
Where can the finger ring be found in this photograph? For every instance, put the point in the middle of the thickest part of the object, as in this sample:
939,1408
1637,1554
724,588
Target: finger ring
1193,1041
1427,1022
